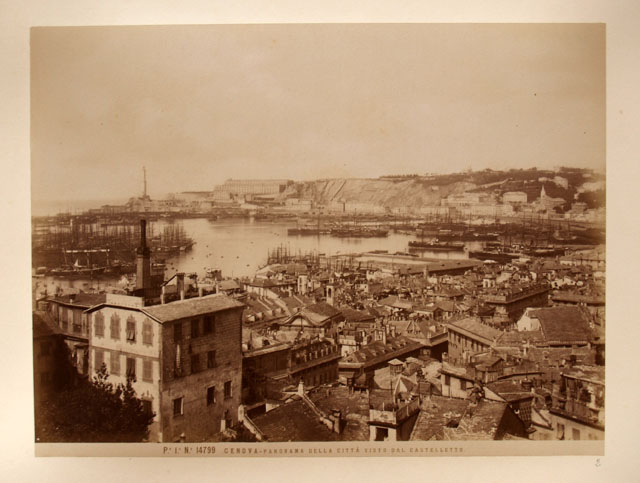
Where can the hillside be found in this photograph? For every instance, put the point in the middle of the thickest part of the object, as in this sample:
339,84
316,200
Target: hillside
399,191
378,192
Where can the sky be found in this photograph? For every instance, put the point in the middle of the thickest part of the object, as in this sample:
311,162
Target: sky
200,104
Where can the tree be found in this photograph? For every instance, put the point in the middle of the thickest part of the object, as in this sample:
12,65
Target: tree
94,411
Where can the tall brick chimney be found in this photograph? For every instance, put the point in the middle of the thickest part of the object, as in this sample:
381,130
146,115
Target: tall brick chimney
143,260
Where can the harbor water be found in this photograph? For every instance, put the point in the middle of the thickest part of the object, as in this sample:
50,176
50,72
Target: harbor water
238,247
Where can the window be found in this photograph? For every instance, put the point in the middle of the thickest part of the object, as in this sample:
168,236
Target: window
177,368
131,329
195,326
77,321
560,434
463,385
447,380
227,389
64,318
147,370
115,363
209,327
115,326
131,367
98,360
99,325
147,332
195,363
211,359
178,406
211,395
177,332
575,434
147,406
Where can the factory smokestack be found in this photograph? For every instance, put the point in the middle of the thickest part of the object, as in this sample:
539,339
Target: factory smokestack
143,260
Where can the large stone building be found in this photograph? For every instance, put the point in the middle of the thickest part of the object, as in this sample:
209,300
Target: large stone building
242,187
510,304
185,358
469,336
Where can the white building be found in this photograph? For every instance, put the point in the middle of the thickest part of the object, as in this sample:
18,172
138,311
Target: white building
514,197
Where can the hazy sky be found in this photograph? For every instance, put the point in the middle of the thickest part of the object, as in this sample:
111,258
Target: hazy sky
199,104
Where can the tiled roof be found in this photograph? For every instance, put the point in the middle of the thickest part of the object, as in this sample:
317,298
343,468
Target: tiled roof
517,338
262,282
81,299
378,352
191,307
509,390
322,308
294,421
354,407
446,306
352,315
563,324
466,373
434,415
388,300
393,301
475,327
480,422
296,301
578,298
374,311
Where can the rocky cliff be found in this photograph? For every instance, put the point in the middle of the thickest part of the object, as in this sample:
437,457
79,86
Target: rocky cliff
379,192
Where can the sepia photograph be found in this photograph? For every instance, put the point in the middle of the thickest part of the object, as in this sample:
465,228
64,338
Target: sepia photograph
389,238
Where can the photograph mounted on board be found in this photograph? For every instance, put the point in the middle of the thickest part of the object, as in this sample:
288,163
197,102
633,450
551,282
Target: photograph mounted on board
386,235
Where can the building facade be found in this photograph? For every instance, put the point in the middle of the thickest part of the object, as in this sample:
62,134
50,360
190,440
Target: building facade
184,357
